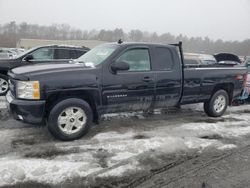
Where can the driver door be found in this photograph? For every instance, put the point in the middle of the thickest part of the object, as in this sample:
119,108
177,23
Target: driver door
133,89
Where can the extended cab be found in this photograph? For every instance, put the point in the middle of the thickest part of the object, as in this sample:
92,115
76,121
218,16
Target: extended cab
117,77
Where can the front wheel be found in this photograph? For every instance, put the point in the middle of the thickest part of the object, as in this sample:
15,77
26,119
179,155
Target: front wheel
217,104
4,85
70,119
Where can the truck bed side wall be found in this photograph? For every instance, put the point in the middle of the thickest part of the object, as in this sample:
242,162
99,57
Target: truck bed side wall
201,83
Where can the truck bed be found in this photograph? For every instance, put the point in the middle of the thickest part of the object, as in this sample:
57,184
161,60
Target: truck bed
199,82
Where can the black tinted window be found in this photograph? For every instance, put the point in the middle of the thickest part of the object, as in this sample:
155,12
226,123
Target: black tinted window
164,59
62,54
138,59
72,54
79,53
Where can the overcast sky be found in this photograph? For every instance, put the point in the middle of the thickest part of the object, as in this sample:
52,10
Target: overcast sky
225,19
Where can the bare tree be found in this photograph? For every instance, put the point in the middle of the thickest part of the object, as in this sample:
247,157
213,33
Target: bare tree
11,32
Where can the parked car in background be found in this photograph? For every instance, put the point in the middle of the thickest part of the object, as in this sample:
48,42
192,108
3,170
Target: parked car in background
6,53
194,59
43,54
17,50
220,59
227,59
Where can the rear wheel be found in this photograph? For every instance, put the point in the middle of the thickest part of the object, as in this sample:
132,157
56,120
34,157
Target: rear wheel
217,104
70,119
4,85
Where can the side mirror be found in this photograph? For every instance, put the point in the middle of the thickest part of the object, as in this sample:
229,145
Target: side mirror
29,57
119,66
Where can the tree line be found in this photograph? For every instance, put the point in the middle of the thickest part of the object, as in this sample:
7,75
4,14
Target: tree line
11,33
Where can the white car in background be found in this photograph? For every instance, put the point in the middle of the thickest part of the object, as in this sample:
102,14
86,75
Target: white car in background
7,53
17,50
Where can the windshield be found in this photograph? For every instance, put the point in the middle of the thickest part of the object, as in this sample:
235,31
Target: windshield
98,54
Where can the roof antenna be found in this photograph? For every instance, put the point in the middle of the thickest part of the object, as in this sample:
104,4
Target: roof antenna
120,41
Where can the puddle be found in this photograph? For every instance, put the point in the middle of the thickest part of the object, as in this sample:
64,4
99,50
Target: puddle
101,155
246,111
140,137
215,120
25,141
50,152
4,114
212,137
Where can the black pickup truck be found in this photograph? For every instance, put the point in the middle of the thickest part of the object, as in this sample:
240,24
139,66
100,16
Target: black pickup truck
117,77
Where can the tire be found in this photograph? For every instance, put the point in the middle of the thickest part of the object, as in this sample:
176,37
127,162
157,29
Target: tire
4,85
70,119
217,104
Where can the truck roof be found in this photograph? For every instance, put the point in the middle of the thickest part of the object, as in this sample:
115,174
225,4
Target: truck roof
63,46
140,43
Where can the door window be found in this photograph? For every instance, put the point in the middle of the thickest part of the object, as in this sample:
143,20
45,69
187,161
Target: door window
62,54
72,54
138,59
164,59
79,53
43,54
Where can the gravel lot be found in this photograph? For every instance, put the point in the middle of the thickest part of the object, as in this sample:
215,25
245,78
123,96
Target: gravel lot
176,148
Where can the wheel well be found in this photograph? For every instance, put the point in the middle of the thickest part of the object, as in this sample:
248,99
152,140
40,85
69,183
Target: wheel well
228,87
85,95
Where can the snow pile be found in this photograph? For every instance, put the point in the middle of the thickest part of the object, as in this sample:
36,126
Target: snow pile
225,129
227,147
19,170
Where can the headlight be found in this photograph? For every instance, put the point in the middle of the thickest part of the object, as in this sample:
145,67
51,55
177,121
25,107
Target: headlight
28,90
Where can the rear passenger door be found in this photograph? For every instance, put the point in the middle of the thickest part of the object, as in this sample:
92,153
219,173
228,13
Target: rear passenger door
168,71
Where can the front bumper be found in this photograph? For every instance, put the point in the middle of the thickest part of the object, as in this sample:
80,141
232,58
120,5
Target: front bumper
25,110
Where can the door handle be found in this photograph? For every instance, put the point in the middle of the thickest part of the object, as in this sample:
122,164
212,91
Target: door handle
147,79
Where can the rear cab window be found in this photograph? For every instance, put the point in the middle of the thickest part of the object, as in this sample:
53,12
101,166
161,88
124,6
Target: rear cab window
164,59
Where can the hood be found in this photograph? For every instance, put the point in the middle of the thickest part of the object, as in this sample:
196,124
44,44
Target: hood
227,57
57,76
7,61
45,68
6,64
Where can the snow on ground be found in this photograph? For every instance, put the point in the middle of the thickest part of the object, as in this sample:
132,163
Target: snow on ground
2,103
56,171
116,151
238,127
